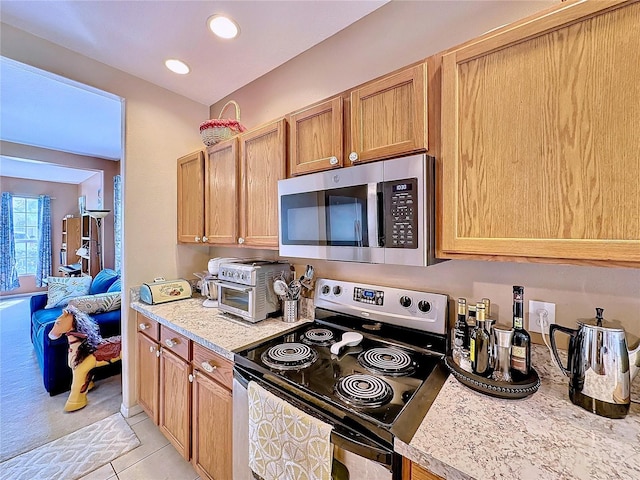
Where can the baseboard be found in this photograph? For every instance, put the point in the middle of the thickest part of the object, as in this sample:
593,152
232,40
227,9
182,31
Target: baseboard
130,411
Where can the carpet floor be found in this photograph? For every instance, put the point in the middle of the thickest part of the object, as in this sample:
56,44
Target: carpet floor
29,417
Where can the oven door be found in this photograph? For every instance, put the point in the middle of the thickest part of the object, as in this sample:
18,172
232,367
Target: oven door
237,299
355,456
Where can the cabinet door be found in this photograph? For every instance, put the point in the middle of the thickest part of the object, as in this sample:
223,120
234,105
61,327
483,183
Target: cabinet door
263,163
540,139
221,193
388,116
175,401
148,375
212,428
191,198
316,138
419,473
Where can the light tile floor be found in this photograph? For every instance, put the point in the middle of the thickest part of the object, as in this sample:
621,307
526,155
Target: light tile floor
154,459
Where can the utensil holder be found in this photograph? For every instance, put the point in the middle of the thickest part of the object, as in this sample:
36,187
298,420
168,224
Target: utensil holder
290,311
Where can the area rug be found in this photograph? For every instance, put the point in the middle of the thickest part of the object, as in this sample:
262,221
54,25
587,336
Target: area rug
74,455
29,417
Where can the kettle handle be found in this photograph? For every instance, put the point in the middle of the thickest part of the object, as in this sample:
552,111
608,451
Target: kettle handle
569,331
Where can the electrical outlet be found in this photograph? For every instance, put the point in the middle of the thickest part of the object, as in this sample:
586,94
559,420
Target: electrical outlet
535,308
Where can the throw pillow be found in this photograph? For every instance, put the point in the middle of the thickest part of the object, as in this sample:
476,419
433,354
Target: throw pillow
115,286
103,281
102,302
63,289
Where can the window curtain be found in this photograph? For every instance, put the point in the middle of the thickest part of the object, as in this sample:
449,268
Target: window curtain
8,273
117,221
43,267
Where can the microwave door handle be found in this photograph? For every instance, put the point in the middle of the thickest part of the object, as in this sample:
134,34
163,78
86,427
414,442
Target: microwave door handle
372,214
237,288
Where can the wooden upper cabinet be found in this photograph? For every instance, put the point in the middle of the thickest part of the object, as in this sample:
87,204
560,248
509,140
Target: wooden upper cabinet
221,193
540,139
316,141
191,198
388,116
263,163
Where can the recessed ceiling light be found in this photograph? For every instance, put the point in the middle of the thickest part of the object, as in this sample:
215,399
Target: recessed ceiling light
177,66
223,26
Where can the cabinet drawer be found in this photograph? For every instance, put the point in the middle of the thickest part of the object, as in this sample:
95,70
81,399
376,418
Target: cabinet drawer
178,344
149,327
212,364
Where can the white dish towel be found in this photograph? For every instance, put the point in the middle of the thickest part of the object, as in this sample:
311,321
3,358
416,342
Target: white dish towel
284,442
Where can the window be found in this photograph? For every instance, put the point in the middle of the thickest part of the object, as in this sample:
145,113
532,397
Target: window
25,234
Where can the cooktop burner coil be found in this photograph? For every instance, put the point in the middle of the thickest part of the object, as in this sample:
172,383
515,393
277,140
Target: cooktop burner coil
387,361
289,356
318,336
363,390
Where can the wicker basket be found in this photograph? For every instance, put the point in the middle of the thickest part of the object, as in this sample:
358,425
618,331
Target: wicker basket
218,129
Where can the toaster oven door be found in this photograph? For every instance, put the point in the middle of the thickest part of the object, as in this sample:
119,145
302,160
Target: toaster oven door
237,299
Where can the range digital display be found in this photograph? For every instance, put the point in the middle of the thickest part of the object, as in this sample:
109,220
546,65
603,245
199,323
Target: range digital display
368,293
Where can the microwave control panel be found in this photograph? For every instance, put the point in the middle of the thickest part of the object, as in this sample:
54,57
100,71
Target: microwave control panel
401,220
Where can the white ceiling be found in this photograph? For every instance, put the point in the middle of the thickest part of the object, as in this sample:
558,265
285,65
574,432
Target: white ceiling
44,110
35,170
138,36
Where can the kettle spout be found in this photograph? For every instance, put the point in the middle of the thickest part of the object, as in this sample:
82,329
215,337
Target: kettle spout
634,362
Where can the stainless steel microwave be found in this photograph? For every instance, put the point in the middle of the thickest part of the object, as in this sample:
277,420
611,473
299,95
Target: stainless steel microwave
382,212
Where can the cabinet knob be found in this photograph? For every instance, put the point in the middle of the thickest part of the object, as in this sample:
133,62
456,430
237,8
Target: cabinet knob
197,239
171,342
143,326
191,378
333,160
207,367
205,239
353,156
241,240
157,353
152,349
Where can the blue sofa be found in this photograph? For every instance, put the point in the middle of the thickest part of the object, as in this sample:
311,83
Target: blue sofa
52,354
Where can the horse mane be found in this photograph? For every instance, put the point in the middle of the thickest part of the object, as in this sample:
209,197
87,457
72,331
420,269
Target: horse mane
84,324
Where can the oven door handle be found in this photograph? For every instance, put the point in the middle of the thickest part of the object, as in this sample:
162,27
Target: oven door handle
233,286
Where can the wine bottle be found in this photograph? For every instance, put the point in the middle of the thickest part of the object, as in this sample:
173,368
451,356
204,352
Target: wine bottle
461,334
471,324
521,342
481,363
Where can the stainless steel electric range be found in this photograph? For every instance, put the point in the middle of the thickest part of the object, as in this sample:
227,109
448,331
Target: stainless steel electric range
372,392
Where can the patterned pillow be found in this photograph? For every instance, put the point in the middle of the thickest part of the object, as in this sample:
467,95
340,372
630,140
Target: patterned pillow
99,303
63,289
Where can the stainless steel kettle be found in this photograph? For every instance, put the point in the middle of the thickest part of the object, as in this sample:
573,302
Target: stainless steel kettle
600,367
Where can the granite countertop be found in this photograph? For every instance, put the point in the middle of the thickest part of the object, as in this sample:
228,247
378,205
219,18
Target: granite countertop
204,325
468,435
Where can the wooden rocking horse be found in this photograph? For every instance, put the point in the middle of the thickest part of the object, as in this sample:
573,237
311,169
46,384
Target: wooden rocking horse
87,350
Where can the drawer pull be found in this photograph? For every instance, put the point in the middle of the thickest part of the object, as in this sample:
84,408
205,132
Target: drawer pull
143,326
171,342
207,367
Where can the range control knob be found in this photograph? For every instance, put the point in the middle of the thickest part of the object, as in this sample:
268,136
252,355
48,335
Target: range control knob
326,289
337,290
424,306
405,301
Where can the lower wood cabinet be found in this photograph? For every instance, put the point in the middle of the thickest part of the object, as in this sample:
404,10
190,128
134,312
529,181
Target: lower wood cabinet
186,390
175,401
413,471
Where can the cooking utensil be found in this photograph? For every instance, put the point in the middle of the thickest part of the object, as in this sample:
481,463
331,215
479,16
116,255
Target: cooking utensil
280,288
600,367
349,339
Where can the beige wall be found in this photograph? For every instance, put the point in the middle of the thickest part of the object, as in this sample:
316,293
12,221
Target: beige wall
91,188
160,126
395,35
64,200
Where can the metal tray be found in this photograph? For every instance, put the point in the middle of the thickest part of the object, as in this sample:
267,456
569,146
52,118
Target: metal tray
494,388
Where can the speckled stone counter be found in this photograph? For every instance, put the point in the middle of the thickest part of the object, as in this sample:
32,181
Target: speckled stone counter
204,326
468,435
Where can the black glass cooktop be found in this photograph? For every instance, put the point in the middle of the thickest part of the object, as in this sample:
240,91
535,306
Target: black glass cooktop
375,379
